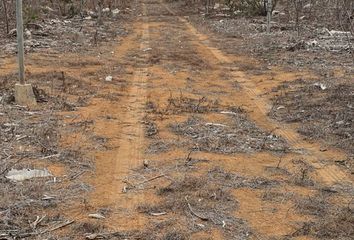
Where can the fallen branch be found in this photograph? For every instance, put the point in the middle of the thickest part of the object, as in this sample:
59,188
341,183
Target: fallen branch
132,186
77,175
51,156
151,179
216,124
58,227
194,213
188,158
31,234
37,221
158,214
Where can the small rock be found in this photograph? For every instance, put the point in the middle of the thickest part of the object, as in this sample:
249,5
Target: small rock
146,163
308,6
321,85
109,79
313,43
340,122
28,33
115,12
91,236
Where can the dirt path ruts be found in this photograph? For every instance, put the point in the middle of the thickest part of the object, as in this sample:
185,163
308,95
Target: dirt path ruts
148,53
120,122
260,108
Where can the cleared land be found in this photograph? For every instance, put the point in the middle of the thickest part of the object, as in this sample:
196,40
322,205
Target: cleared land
189,140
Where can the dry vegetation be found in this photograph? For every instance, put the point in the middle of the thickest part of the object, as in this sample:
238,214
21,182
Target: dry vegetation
316,35
32,138
192,195
197,203
63,26
323,110
29,139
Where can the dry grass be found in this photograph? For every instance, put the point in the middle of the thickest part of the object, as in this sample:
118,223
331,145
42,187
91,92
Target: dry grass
324,114
29,138
241,135
199,205
183,104
332,221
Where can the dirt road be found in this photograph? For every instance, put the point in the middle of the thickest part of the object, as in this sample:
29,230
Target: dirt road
190,150
171,61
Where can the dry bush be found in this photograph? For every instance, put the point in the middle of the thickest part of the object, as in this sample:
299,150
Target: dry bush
337,14
301,175
331,221
249,7
40,9
241,135
183,104
323,114
194,204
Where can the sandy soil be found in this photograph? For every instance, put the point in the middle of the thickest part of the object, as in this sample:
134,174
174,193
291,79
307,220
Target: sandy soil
181,145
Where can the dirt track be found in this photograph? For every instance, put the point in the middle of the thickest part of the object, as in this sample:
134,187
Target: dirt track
165,65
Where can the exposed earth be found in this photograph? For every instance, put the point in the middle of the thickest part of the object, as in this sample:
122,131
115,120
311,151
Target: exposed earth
186,140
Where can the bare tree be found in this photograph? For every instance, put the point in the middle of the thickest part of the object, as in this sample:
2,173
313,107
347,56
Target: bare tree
6,17
250,7
100,6
298,6
81,7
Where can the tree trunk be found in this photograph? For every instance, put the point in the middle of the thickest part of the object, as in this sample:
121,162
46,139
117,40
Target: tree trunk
99,20
81,7
6,16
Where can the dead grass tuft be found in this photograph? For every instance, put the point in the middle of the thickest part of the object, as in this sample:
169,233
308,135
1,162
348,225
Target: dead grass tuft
241,135
335,223
175,236
325,114
200,203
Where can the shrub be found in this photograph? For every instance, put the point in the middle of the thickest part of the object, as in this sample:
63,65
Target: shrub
249,7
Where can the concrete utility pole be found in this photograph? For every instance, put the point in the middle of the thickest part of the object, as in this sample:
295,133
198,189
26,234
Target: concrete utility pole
269,14
23,92
20,48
